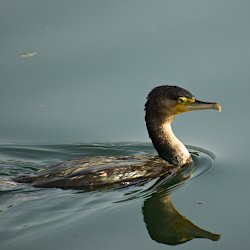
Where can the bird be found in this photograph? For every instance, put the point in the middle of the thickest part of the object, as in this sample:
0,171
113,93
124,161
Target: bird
162,105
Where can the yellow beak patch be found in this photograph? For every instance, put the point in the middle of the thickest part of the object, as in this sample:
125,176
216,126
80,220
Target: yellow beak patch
181,103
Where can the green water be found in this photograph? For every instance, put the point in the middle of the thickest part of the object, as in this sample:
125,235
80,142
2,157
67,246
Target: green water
208,201
32,216
93,64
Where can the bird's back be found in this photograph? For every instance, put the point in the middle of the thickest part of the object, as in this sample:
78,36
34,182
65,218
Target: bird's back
96,172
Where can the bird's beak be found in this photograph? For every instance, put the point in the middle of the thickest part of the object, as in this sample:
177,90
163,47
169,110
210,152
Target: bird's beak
199,105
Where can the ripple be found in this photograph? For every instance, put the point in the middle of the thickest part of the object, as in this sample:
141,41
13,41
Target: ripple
203,163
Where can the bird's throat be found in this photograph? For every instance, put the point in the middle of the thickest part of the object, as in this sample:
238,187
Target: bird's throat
166,143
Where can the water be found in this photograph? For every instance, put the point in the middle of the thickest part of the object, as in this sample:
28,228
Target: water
38,217
79,71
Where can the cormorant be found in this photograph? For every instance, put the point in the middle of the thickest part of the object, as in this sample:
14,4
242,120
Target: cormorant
162,105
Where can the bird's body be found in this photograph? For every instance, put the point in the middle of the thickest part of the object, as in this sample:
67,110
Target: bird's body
163,103
90,173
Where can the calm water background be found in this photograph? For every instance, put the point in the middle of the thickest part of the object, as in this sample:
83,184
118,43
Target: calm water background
95,63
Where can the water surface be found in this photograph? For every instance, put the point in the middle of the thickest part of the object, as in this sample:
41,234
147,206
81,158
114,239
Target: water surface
79,71
33,216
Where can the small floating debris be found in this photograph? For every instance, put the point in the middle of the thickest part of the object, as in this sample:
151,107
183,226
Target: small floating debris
200,202
28,55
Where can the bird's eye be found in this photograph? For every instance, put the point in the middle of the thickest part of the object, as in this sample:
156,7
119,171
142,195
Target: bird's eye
181,100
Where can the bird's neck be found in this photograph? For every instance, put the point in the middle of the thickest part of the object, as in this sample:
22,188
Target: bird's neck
165,142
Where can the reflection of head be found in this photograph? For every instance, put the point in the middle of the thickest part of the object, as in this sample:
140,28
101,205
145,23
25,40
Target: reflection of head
165,225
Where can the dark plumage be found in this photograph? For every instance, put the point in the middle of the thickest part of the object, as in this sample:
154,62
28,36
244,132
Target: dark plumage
163,103
168,91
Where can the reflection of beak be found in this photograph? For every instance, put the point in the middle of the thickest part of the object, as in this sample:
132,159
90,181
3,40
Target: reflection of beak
199,105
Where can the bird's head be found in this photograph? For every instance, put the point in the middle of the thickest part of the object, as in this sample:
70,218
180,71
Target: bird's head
172,100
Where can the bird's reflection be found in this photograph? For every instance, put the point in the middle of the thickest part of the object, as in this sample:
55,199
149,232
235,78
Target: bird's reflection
164,223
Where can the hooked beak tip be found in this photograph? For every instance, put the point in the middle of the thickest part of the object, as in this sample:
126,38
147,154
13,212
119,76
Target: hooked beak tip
217,107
